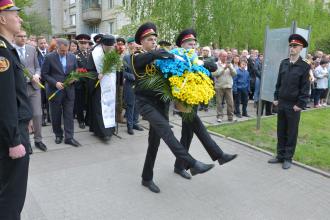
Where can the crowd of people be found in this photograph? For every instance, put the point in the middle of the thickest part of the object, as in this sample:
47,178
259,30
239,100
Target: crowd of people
236,81
238,78
35,91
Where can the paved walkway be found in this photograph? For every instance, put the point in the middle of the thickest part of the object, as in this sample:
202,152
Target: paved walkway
99,181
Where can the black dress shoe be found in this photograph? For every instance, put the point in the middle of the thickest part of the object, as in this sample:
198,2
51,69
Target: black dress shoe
182,173
82,125
130,131
43,124
151,186
275,160
226,158
72,142
106,139
40,145
137,127
58,140
200,167
246,115
30,150
286,164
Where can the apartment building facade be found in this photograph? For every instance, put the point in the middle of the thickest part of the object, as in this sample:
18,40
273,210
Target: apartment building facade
73,17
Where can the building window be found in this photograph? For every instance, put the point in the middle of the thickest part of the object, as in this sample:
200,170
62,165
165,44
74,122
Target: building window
73,20
72,2
111,3
95,29
111,27
65,15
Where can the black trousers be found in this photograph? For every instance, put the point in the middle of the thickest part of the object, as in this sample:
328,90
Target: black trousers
268,106
13,179
80,101
45,106
287,131
154,111
241,97
62,104
265,105
96,123
195,125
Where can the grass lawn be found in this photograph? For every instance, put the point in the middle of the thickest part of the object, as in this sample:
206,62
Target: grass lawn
313,147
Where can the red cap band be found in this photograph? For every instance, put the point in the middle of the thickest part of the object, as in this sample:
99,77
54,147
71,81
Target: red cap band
188,37
294,41
147,32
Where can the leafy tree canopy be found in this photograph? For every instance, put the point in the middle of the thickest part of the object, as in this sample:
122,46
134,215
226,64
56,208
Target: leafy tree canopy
229,23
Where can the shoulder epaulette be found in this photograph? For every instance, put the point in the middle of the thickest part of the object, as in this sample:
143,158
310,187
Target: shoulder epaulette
3,44
307,61
137,52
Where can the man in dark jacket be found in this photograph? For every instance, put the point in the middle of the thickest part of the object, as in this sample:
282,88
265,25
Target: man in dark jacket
291,96
15,114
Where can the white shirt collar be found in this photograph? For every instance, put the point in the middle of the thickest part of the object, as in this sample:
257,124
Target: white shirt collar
18,47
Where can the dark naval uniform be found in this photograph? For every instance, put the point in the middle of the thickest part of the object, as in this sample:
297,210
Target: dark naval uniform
155,111
195,125
81,97
15,114
292,88
81,89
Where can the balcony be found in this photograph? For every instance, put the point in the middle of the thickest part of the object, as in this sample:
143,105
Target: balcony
91,12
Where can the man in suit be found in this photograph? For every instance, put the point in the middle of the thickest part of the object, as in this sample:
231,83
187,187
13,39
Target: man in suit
28,57
132,113
15,114
41,53
57,66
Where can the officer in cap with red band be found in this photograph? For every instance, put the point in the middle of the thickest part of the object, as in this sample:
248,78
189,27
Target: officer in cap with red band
291,96
81,85
15,114
155,110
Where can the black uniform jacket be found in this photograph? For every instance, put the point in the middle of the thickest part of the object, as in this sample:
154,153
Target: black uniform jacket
82,59
292,87
14,102
140,62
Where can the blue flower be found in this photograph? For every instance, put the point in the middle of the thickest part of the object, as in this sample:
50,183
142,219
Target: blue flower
176,67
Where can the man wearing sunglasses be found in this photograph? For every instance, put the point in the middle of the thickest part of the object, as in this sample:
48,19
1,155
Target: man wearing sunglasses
291,96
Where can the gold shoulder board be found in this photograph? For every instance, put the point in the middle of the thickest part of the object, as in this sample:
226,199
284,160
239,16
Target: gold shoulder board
307,61
3,44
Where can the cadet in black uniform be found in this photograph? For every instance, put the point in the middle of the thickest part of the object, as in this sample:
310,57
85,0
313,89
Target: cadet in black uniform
80,101
291,96
15,114
155,110
187,40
